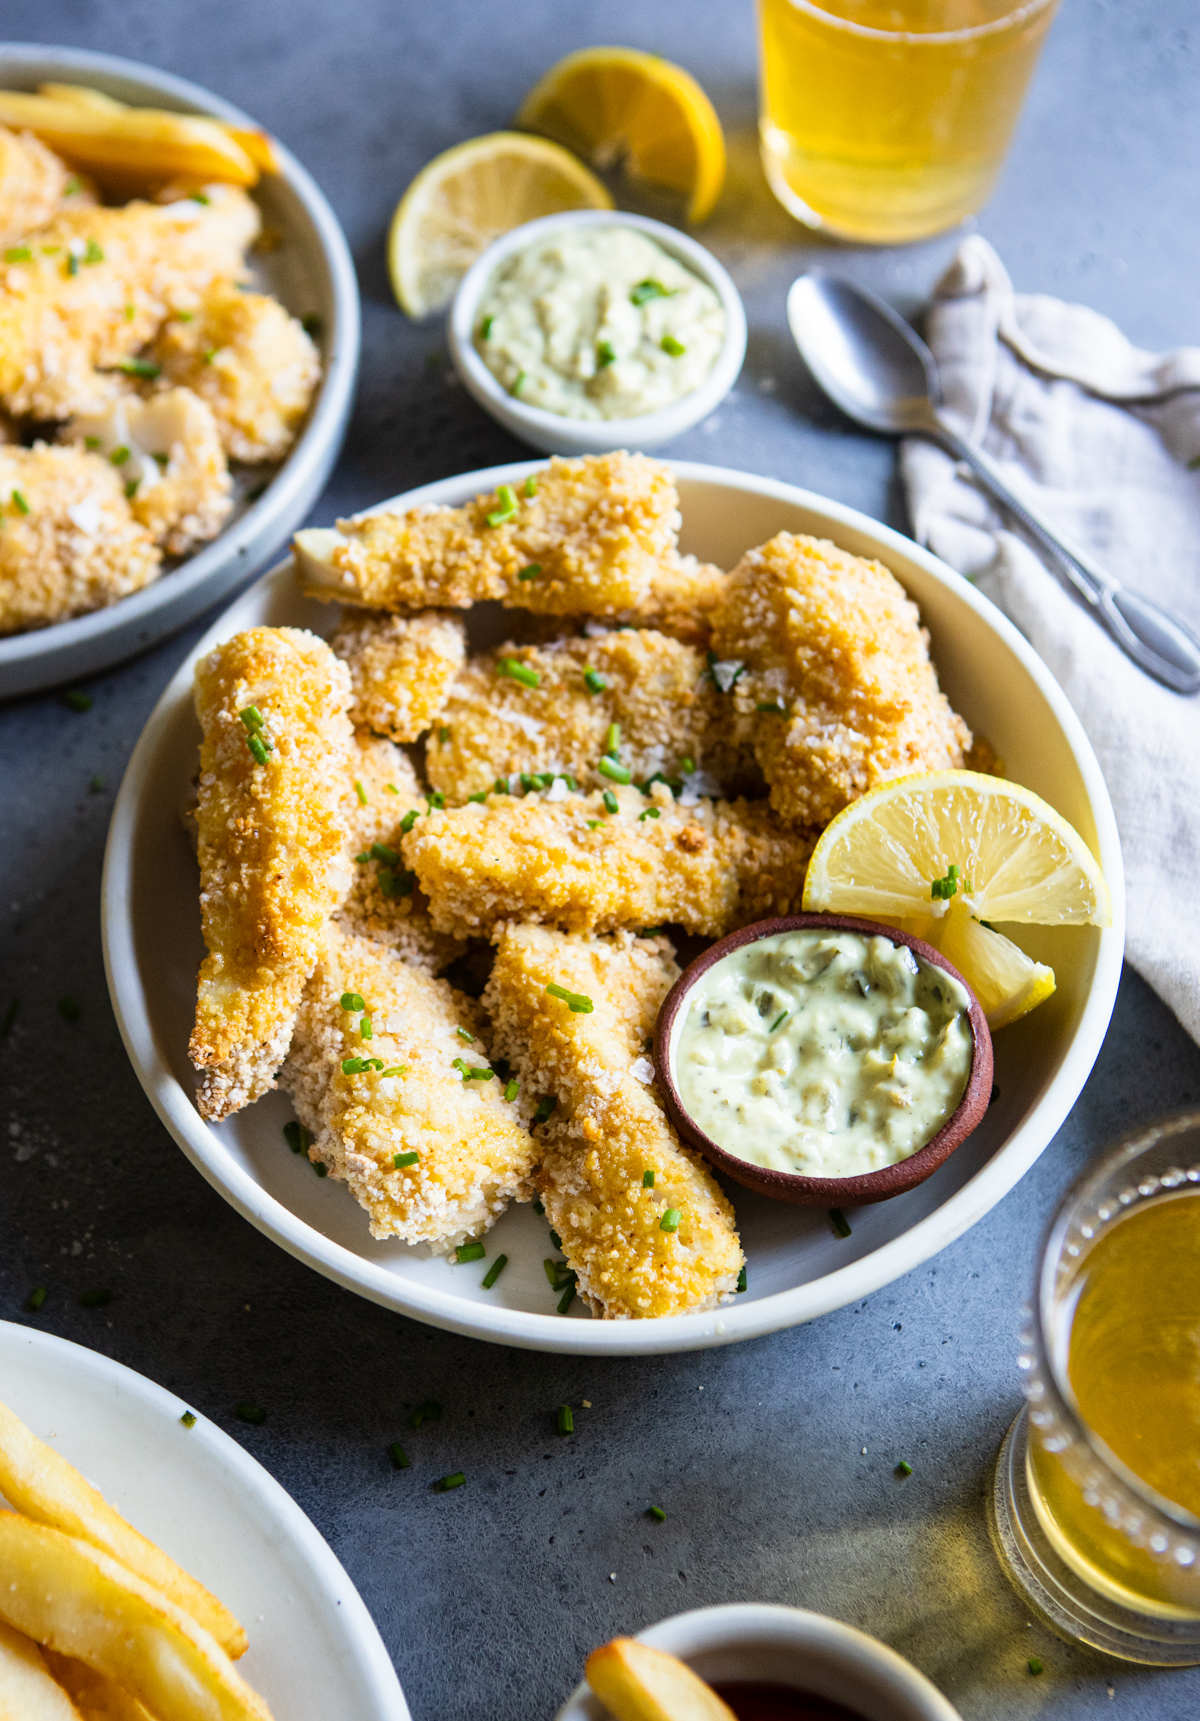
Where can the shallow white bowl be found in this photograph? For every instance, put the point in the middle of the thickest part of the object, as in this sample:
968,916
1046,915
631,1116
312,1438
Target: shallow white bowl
312,273
550,431
797,1267
787,1646
314,1650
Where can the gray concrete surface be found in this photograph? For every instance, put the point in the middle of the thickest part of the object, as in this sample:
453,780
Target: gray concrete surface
489,1597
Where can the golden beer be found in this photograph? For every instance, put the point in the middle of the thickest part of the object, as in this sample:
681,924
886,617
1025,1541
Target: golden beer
889,121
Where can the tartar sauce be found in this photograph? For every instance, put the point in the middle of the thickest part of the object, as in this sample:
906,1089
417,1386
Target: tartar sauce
598,322
823,1053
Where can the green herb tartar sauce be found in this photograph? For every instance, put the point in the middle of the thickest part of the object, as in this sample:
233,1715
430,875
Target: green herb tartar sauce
824,1053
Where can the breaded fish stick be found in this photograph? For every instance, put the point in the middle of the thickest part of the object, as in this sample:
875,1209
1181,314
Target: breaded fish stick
570,863
273,841
554,714
836,649
401,667
428,1097
608,1130
590,536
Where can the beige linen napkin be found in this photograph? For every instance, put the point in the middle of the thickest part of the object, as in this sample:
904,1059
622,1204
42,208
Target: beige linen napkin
1033,381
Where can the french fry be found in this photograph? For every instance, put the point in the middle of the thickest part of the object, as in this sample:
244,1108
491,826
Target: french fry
27,1690
258,145
95,1697
130,146
638,1683
73,1599
40,1483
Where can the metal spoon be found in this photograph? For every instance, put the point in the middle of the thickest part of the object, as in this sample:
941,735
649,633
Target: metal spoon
873,365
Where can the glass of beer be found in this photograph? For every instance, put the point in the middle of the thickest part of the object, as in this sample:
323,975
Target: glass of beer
1096,1505
888,120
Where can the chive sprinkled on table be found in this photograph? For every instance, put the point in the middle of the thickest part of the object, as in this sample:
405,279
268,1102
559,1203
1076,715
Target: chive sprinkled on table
904,1468
36,1298
250,1413
657,1513
399,1457
564,1422
454,1480
837,1219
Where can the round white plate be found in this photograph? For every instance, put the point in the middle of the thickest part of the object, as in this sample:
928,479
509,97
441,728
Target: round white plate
311,272
314,1650
797,1267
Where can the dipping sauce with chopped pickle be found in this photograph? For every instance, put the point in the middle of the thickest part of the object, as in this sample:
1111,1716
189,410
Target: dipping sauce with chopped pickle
752,1701
823,1052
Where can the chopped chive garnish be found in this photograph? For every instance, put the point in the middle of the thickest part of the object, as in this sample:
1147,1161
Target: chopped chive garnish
141,367
360,792
485,328
162,461
321,1169
72,189
395,1070
779,1021
395,883
454,1480
430,1411
657,1513
516,387
615,772
72,264
479,799
297,1137
904,1468
687,765
611,804
594,681
606,354
555,1239
531,572
254,494
313,325
507,498
576,1002
381,852
942,889
538,1208
93,253
399,1457
512,1090
69,1009
529,488
252,718
670,1219
464,1035
209,355
95,1299
409,820
551,1270
188,1419
650,813
494,1272
391,788
251,1413
725,673
76,700
500,786
184,316
518,672
838,1220
772,707
97,785
10,1016
670,345
259,747
564,1422
365,1028
567,1298
612,739
19,502
594,824
741,1280
469,1252
647,1180
18,254
131,488
443,734
352,1001
92,442
647,290
36,1298
545,1108
1035,1665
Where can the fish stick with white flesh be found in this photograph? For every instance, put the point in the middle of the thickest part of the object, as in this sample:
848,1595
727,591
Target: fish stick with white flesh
642,1220
573,863
838,690
389,1072
274,771
580,537
383,901
550,708
401,667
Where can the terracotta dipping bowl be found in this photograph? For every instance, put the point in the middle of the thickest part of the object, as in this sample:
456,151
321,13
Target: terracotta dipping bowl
878,1185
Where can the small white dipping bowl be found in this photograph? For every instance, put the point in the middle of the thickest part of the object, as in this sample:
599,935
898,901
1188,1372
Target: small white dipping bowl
785,1646
551,431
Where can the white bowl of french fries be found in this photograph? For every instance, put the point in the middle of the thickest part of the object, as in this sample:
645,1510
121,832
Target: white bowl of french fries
129,1516
432,1106
180,349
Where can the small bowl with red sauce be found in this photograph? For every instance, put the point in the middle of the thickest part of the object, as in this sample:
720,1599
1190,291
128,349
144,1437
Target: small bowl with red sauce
782,1664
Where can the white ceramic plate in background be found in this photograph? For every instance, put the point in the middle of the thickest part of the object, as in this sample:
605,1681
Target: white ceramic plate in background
788,1646
314,1650
312,273
797,1267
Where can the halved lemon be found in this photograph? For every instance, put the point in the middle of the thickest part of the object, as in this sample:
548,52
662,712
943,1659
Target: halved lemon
470,195
621,108
947,850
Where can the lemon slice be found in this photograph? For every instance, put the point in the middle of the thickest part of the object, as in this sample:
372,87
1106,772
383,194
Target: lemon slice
470,195
1007,983
621,108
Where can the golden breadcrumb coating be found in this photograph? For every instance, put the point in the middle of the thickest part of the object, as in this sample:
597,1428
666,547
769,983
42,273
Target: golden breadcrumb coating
401,667
836,644
673,719
567,862
598,530
383,901
68,541
273,839
250,361
475,1154
608,1127
171,463
684,597
32,183
95,288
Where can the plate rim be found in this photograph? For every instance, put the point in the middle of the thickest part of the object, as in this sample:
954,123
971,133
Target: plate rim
40,657
288,1518
731,1323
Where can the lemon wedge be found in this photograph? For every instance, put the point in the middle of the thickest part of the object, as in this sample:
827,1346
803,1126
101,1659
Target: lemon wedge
621,108
470,195
946,850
